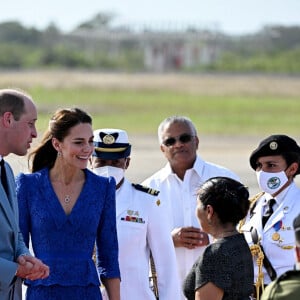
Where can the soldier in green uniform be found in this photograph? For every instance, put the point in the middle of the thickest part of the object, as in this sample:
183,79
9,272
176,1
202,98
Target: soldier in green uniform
287,286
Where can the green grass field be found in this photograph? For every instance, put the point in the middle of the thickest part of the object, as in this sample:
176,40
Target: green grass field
141,112
221,105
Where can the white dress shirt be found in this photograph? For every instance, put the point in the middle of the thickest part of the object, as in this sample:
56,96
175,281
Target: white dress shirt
179,199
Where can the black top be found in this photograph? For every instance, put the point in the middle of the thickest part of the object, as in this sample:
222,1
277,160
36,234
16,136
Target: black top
228,264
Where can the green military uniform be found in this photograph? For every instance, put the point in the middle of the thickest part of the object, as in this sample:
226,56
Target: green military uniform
286,286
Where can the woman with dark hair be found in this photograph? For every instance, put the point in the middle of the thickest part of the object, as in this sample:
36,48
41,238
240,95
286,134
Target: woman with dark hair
225,270
64,209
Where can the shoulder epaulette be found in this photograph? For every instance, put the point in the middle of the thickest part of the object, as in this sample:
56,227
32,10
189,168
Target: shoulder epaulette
253,202
145,189
255,198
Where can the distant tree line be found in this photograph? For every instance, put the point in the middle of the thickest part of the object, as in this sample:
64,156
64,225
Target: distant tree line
272,49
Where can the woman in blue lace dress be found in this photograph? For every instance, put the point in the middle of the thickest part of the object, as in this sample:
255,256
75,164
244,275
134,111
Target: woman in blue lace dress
64,209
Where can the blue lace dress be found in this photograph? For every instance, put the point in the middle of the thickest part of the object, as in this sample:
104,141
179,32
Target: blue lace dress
66,242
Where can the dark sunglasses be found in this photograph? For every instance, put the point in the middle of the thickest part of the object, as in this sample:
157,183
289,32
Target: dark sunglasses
183,138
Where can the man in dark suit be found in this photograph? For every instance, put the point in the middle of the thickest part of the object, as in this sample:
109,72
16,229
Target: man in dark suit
17,129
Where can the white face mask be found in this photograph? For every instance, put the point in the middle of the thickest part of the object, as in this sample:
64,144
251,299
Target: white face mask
107,171
271,182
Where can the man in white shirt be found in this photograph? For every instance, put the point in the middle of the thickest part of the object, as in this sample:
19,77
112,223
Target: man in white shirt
178,182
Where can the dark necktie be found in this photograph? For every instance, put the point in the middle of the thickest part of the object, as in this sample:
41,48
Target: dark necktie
3,177
268,212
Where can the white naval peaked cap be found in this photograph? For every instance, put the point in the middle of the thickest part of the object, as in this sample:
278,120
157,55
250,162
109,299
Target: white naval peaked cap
111,143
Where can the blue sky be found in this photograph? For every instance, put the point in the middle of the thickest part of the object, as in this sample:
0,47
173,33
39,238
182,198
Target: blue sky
230,16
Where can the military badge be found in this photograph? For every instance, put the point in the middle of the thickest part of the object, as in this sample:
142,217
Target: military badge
275,236
273,145
108,139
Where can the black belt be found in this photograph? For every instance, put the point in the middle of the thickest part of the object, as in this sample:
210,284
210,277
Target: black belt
267,264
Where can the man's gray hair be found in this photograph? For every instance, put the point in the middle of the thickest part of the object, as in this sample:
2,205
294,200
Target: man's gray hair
172,120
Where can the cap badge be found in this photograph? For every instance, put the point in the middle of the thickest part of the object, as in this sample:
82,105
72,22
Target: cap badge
273,145
108,139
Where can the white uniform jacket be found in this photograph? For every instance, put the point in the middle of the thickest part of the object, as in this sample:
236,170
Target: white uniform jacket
141,228
179,197
277,237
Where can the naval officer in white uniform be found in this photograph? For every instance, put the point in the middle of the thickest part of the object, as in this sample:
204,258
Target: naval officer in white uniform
141,223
